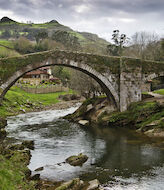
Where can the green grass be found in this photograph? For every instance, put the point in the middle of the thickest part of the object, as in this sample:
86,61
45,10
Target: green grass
7,43
23,33
5,52
138,115
16,99
161,91
12,173
145,93
46,99
79,36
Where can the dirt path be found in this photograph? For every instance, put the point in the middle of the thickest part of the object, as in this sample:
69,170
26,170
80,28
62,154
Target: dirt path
156,97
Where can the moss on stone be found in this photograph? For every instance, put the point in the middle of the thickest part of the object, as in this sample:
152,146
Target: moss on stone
100,63
72,184
152,67
78,160
8,66
81,112
3,123
137,115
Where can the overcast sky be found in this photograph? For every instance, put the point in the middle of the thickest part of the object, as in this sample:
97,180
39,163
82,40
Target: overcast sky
96,16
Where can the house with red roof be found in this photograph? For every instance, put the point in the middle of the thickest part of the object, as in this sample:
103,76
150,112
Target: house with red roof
38,76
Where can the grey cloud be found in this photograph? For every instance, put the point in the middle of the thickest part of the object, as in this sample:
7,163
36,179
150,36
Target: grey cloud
75,12
98,7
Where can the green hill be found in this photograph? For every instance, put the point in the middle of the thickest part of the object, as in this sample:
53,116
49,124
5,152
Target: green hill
81,41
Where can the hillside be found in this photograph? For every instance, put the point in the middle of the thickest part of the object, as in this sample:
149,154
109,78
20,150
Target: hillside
10,29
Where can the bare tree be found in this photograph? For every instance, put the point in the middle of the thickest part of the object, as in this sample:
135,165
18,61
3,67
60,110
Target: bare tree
143,45
84,84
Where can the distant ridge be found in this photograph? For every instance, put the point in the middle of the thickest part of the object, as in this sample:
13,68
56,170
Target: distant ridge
54,21
6,19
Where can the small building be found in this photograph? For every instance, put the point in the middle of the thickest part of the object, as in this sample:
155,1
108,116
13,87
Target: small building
37,76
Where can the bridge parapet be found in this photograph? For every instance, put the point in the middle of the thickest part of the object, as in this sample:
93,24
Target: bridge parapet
121,78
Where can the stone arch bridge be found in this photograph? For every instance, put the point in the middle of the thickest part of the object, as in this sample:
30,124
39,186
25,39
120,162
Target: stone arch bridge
121,78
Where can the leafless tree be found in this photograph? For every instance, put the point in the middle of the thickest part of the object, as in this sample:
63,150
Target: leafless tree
144,45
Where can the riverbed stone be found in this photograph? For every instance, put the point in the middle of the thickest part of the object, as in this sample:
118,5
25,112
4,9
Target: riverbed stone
93,185
78,160
35,177
16,147
83,122
3,123
28,144
3,133
75,184
89,107
39,169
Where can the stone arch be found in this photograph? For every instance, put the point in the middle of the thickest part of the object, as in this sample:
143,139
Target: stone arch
152,76
103,80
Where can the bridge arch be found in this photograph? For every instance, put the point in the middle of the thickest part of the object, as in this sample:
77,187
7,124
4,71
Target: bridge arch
153,76
82,66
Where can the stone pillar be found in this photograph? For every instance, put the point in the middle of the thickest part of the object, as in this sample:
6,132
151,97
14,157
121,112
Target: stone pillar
130,84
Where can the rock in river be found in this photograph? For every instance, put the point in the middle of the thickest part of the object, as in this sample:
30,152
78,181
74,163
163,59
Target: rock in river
39,169
75,184
83,122
94,184
28,144
78,160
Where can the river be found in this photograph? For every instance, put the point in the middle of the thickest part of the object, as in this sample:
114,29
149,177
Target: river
119,158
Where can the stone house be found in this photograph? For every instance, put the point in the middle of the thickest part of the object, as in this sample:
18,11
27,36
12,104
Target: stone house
37,76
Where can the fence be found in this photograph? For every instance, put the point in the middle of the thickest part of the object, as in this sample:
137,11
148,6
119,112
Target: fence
44,90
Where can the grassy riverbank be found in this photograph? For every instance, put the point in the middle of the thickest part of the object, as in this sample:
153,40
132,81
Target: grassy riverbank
13,171
13,163
17,101
160,91
146,116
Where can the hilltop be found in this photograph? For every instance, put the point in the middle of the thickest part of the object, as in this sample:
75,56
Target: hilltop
7,20
10,29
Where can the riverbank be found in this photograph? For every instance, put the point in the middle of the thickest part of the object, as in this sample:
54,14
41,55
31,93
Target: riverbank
146,116
96,111
14,173
18,101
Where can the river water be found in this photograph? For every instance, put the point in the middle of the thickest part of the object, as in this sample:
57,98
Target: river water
119,158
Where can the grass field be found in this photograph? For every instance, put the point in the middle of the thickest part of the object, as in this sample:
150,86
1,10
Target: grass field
7,43
17,99
5,52
161,91
12,173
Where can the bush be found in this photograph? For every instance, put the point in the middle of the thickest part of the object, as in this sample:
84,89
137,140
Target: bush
23,45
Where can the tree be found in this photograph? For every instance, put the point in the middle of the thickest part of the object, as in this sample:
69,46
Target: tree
48,44
71,42
84,84
40,36
24,46
116,49
6,34
162,49
62,73
145,45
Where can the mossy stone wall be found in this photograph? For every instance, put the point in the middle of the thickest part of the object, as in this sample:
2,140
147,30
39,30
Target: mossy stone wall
120,77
